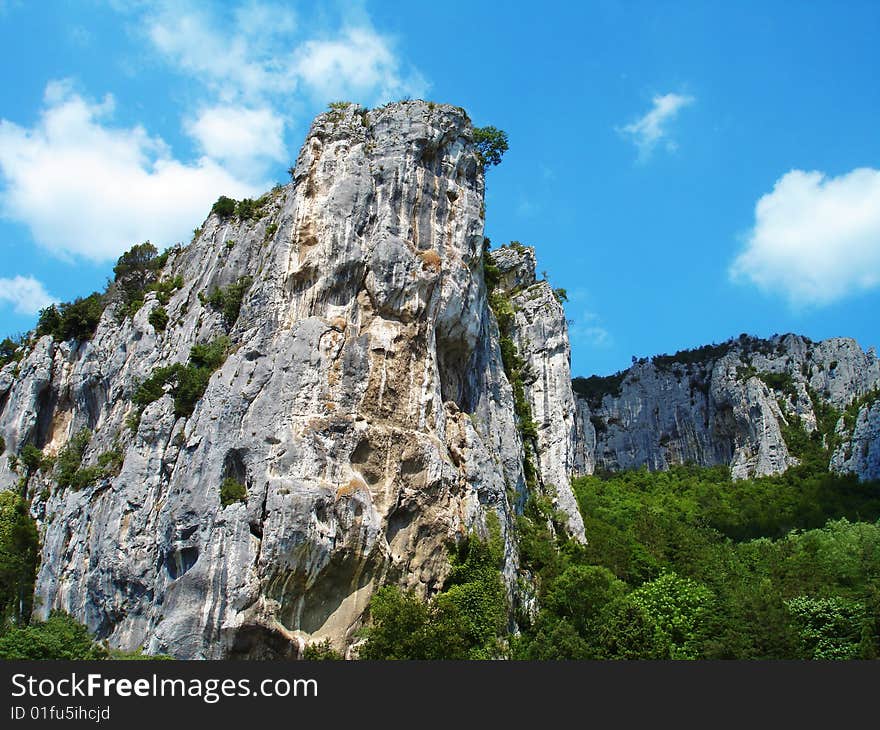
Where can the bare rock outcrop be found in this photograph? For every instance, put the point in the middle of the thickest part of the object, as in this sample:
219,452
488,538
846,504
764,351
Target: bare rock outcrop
362,404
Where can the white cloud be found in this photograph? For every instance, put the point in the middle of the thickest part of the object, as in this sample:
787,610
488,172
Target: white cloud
234,60
648,131
86,188
244,139
816,239
27,295
359,63
257,55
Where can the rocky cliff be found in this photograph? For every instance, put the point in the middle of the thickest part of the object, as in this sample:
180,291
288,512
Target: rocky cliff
739,403
332,385
539,331
358,407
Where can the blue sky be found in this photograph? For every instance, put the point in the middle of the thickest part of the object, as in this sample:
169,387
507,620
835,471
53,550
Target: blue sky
687,171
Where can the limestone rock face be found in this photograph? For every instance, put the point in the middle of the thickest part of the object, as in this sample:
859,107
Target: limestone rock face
363,405
859,450
725,404
540,332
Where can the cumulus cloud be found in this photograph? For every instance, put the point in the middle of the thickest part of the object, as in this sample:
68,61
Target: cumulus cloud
653,128
263,54
26,295
236,58
86,188
816,238
244,139
359,63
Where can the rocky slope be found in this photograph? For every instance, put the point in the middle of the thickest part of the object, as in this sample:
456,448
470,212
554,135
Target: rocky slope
731,404
362,403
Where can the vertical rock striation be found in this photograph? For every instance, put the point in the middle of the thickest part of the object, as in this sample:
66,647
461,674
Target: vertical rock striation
363,405
723,404
540,333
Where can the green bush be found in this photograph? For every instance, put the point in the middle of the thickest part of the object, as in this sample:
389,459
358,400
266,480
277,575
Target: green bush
58,638
232,490
70,458
224,207
85,477
165,288
76,320
158,318
187,382
227,300
779,381
10,351
247,209
31,458
464,621
321,651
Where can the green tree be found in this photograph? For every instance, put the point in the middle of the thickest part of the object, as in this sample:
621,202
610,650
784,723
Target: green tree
402,626
9,351
135,269
491,144
680,607
829,628
580,593
321,651
158,318
627,631
19,554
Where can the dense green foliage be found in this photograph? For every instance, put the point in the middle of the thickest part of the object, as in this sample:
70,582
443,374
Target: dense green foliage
464,621
247,209
137,272
135,269
19,554
158,318
227,300
782,382
694,565
76,320
68,472
684,564
10,350
596,387
491,144
232,490
187,383
224,207
59,637
321,651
